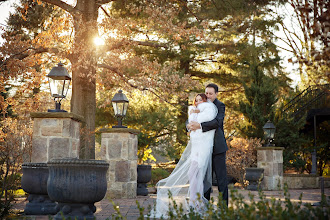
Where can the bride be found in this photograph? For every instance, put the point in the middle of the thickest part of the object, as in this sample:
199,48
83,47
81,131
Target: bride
193,172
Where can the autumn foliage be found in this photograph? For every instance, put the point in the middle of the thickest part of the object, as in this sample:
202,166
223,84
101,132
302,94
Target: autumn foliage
242,153
15,146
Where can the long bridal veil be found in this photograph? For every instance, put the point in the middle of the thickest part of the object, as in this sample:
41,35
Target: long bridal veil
193,173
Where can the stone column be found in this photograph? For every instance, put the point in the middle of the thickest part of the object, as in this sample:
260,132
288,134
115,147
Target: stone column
55,135
119,149
271,159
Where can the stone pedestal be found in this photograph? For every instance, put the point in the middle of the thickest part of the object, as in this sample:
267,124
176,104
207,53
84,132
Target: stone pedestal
55,135
119,149
271,160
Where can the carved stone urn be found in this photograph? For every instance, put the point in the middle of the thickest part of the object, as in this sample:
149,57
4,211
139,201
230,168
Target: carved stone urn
34,182
76,185
254,175
143,177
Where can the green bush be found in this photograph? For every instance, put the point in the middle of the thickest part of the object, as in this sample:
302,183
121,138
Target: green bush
158,174
250,210
9,183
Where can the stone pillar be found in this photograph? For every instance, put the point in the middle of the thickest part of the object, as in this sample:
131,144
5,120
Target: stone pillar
55,135
119,149
271,159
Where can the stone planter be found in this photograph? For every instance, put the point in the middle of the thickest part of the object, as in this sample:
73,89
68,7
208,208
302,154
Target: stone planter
76,185
254,175
34,182
143,177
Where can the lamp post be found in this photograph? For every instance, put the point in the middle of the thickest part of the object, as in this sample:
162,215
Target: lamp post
119,104
269,132
59,81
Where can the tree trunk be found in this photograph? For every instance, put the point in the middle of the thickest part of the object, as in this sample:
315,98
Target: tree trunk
181,134
84,61
83,101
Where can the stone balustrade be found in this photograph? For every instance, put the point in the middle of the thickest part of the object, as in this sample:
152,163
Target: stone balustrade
302,181
119,149
55,135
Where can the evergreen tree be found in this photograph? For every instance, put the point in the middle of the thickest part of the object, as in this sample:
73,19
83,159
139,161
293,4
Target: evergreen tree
288,135
261,95
29,23
223,56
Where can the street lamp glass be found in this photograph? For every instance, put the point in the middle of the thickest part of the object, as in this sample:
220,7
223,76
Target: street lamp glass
59,81
120,104
59,88
120,108
269,130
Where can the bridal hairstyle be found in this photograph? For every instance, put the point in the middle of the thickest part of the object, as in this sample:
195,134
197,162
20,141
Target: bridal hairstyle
204,98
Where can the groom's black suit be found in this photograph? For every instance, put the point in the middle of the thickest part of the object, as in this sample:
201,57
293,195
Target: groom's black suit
219,150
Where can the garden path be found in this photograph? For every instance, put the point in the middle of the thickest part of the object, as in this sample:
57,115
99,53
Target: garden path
128,207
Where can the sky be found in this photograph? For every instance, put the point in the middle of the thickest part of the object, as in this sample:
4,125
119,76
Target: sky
6,8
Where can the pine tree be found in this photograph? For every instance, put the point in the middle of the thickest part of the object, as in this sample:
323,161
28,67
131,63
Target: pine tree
261,95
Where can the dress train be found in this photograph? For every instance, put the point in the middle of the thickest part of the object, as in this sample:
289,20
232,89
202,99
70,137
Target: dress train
192,175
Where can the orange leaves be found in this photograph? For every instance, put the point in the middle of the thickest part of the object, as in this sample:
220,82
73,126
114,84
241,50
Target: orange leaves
15,140
242,153
19,74
39,2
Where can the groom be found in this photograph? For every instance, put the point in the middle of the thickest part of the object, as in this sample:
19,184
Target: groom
219,146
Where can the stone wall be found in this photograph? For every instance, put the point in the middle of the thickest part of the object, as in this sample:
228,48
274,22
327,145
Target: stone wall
271,159
302,181
119,149
326,182
55,135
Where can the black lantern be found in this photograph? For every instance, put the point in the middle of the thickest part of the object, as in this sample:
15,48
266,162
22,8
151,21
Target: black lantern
59,81
269,132
119,104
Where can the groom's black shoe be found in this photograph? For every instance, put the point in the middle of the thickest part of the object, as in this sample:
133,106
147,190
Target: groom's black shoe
207,194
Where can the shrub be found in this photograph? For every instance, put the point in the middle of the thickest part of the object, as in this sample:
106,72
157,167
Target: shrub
158,174
242,153
15,143
250,210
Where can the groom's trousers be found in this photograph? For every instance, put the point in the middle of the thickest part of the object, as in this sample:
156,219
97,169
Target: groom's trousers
220,169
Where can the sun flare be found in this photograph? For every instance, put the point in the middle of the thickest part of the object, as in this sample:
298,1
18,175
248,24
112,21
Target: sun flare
98,41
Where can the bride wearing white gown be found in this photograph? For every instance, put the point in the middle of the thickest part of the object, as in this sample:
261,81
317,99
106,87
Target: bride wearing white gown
188,178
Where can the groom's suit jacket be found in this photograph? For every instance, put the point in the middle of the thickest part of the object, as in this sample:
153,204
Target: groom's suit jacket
220,144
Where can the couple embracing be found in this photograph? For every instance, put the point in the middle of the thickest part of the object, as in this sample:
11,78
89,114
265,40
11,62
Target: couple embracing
205,151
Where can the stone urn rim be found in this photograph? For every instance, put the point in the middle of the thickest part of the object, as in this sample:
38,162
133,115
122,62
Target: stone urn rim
145,165
76,161
27,164
253,168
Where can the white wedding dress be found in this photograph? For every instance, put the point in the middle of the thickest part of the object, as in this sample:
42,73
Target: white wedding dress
188,178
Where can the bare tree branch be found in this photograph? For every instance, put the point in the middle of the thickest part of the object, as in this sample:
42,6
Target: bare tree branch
291,40
105,12
291,51
150,44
